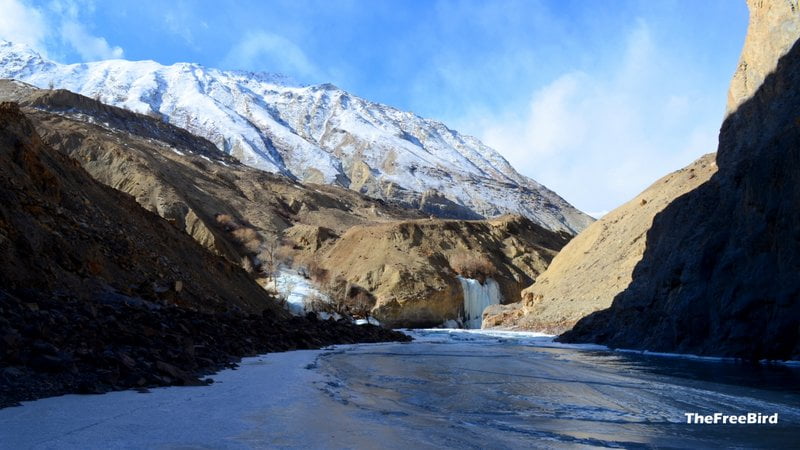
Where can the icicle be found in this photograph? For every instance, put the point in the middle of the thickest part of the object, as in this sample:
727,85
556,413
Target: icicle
477,297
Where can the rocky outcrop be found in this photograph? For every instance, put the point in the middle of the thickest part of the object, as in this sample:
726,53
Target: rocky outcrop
187,180
98,294
218,202
410,271
719,275
772,31
597,264
56,344
62,231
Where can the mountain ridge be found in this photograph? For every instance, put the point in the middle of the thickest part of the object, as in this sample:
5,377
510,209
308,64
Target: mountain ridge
318,134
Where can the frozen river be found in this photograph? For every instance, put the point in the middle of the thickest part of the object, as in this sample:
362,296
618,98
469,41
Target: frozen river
455,389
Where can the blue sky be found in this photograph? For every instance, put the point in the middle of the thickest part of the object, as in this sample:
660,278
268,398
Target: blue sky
594,99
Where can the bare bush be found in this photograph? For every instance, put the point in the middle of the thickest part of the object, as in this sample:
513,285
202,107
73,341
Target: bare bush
249,238
336,291
317,304
362,304
286,253
285,290
282,302
339,297
265,252
268,255
227,222
247,264
472,265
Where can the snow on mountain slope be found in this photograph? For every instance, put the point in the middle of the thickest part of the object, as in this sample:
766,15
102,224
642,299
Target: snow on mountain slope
317,134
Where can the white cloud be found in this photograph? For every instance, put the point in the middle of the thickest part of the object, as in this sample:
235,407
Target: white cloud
181,18
22,24
91,48
60,23
270,52
600,139
74,33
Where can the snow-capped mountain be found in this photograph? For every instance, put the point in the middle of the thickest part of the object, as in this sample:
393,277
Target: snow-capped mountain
317,134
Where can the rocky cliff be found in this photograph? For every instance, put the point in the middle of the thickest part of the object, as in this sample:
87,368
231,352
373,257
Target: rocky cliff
410,268
772,31
98,294
598,263
719,274
62,231
233,209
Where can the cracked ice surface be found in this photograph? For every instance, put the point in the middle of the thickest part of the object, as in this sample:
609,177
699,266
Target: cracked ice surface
449,388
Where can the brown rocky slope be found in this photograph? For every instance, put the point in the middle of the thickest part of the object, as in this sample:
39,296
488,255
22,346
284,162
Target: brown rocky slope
186,180
597,264
98,294
719,275
60,230
410,271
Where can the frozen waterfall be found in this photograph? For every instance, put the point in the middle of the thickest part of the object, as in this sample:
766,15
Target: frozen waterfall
477,297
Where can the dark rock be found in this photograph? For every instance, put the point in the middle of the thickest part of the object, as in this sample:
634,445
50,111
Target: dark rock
185,345
720,272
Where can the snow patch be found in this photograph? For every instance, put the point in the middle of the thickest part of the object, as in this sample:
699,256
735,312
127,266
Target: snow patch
371,321
296,289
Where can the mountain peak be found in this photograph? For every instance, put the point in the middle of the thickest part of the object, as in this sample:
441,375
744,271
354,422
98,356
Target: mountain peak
315,134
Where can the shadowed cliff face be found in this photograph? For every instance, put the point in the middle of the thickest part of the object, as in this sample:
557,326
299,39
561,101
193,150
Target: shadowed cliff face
720,272
62,232
597,264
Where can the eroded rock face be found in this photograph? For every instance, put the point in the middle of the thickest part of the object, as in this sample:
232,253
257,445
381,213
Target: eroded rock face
772,30
719,275
186,179
406,266
206,193
63,232
598,263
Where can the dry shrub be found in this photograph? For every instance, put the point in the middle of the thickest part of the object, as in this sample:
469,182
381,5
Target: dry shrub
342,298
286,254
316,303
472,265
362,304
266,252
336,291
248,266
249,239
227,222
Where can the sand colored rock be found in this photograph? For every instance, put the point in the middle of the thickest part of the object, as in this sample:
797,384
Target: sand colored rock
406,265
719,275
773,28
598,263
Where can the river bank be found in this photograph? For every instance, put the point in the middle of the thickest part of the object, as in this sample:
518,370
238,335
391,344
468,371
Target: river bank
448,388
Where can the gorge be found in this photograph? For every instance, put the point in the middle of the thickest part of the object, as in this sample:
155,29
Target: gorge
237,260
